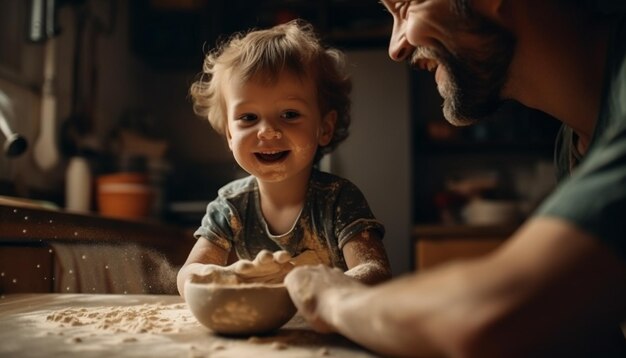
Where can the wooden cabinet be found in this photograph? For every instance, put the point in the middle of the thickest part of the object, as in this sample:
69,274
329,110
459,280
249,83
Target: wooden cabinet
25,269
41,248
438,244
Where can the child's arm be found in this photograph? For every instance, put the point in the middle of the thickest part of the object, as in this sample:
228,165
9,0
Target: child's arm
202,259
366,258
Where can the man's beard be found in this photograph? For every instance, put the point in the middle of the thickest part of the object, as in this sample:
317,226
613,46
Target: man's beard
475,77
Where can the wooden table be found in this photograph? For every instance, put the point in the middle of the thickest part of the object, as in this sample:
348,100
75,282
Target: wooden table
38,325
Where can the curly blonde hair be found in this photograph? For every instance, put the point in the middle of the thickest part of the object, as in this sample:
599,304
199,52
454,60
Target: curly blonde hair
292,46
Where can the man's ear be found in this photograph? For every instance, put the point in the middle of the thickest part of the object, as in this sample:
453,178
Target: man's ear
328,128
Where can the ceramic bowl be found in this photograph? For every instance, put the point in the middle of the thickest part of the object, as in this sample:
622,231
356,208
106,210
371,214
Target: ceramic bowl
240,309
491,212
125,195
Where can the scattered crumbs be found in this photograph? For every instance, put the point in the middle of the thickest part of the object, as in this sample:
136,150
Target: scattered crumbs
218,347
194,353
75,340
129,340
279,346
255,339
146,318
324,351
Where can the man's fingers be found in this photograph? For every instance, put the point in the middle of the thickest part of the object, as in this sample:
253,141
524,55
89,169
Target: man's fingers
303,286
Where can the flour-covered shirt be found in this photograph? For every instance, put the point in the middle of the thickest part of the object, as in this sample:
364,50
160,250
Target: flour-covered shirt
334,212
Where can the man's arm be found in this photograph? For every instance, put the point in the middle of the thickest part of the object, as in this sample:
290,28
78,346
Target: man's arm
550,288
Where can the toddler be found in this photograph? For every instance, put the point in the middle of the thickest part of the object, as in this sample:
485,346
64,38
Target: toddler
281,100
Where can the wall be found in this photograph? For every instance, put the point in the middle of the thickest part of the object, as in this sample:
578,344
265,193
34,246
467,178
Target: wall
376,156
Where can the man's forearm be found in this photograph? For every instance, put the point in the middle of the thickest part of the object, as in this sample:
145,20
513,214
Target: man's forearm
376,319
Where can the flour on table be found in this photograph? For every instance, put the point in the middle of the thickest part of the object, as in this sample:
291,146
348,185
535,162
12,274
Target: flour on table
88,328
147,318
92,327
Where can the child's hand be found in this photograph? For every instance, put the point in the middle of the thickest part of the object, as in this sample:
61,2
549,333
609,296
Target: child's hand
306,258
267,267
213,274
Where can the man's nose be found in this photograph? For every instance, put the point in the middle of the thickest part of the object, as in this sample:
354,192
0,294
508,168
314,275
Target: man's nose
399,47
268,132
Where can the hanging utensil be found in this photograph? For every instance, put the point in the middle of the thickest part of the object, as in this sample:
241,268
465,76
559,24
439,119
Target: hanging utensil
45,153
43,29
15,144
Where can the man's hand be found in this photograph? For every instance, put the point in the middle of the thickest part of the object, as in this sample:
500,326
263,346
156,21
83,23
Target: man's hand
315,290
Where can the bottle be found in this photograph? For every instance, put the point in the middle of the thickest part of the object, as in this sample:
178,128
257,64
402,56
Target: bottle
78,184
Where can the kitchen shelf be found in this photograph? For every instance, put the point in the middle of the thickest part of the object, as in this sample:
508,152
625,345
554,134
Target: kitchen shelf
334,20
178,36
511,144
486,147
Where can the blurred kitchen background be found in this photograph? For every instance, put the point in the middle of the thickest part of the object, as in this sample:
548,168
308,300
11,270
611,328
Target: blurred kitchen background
99,91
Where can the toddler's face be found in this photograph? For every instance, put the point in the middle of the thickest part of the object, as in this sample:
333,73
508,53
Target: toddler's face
274,129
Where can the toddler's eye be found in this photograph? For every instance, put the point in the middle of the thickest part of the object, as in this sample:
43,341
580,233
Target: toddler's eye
247,117
290,115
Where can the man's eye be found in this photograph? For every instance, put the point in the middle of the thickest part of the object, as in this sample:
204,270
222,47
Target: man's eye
291,115
247,117
400,8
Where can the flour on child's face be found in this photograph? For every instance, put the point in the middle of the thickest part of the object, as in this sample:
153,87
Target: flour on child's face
273,129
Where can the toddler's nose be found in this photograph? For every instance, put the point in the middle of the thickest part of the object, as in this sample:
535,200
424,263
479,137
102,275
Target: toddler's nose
268,133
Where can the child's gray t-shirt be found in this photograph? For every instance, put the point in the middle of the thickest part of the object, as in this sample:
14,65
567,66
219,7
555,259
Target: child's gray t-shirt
335,210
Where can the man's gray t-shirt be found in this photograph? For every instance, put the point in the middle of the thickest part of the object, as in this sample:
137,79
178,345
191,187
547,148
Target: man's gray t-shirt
592,192
335,210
